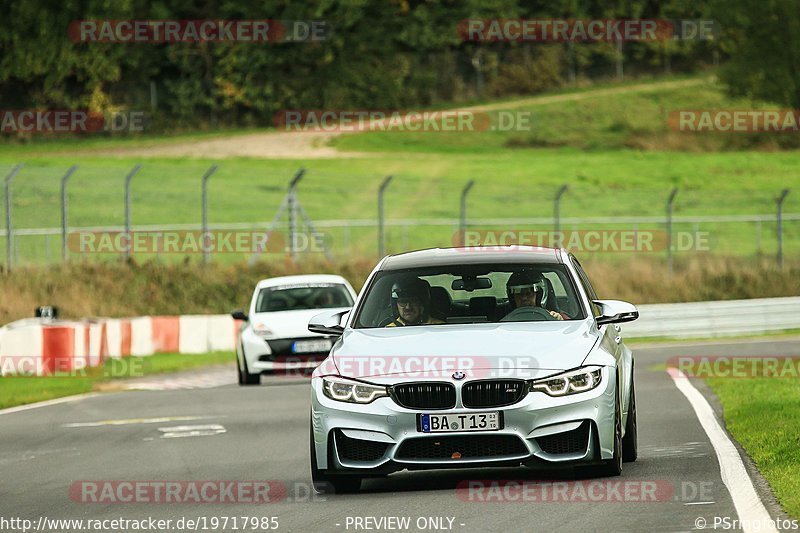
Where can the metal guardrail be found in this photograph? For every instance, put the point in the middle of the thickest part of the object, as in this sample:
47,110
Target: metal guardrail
715,319
676,320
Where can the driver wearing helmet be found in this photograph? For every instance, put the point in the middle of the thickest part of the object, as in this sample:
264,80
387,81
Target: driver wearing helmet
526,289
411,303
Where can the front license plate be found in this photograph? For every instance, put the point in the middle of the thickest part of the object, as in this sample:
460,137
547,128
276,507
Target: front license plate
322,345
450,422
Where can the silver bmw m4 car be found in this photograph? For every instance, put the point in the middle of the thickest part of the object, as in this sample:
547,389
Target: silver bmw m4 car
473,357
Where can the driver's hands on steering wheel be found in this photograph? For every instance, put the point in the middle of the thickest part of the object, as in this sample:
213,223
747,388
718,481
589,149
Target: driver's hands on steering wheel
556,315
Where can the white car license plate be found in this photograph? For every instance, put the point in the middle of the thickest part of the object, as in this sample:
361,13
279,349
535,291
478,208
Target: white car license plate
450,422
322,345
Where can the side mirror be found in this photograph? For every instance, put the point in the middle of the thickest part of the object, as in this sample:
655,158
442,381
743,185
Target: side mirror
239,315
329,322
615,312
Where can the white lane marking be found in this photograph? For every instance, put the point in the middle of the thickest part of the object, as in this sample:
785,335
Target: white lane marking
191,431
748,505
47,403
699,503
130,421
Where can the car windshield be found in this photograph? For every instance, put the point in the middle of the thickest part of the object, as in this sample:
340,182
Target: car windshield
470,294
294,297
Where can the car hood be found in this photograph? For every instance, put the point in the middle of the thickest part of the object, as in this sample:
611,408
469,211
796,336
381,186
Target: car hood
524,350
287,324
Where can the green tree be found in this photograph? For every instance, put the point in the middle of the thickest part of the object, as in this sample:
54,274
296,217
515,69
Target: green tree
762,38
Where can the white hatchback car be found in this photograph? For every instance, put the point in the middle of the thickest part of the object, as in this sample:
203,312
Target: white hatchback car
275,333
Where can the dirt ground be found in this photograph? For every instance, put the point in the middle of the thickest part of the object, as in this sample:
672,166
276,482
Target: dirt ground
272,144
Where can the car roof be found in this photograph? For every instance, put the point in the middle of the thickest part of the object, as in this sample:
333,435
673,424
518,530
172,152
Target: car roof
301,279
471,255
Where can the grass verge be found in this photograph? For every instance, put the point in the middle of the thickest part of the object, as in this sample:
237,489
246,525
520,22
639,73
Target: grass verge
761,414
19,390
643,341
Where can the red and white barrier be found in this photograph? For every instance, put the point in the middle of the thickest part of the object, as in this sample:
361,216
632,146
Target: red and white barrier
206,333
43,346
118,336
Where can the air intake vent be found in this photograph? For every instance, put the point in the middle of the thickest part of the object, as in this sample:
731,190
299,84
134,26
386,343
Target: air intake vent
462,447
359,450
569,442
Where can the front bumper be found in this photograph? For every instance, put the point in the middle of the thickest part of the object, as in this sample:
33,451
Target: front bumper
539,430
277,354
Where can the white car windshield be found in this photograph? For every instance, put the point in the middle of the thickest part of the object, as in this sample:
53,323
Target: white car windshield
470,294
294,297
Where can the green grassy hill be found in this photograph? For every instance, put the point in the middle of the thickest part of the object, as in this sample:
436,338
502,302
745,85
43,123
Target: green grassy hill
610,144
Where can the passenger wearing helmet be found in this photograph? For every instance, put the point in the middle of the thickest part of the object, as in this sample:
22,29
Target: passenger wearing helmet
411,303
526,289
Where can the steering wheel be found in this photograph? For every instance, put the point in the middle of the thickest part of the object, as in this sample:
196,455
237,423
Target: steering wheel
528,314
386,321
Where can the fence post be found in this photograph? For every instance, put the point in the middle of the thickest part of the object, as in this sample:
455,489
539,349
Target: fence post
670,202
64,213
208,174
781,198
557,213
292,210
758,236
9,231
128,179
381,191
462,219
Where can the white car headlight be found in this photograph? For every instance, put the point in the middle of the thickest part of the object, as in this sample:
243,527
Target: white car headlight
262,330
345,390
572,382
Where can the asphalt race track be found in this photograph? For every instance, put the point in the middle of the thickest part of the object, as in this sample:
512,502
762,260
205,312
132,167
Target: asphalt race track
230,433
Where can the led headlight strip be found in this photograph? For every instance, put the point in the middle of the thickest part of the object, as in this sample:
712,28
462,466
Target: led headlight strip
345,390
572,382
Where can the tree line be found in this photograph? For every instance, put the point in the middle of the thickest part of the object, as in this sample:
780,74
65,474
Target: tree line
377,54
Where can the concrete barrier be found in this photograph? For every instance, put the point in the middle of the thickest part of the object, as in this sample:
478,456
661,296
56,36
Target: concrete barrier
45,346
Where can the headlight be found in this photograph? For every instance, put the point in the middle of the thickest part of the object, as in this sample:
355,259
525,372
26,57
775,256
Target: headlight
262,331
572,382
344,390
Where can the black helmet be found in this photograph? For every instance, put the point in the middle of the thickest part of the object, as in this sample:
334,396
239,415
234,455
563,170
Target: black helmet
525,279
411,287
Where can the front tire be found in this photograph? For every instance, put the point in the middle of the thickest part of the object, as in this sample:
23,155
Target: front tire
245,377
325,483
613,466
630,443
